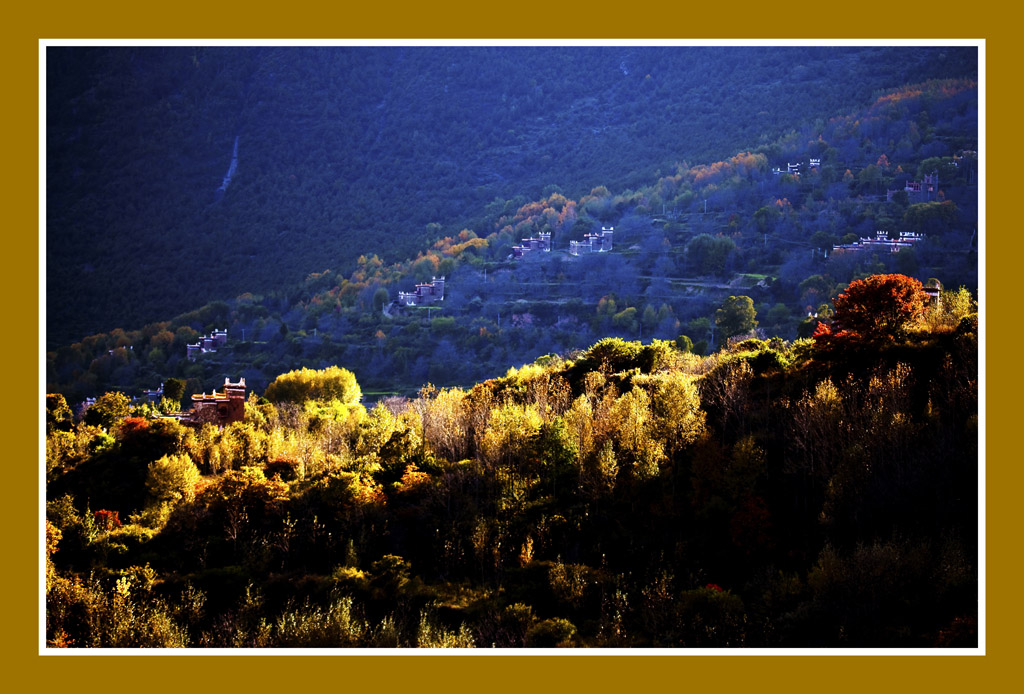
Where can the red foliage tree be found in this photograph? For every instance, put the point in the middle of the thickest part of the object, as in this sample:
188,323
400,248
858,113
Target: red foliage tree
107,520
131,426
879,308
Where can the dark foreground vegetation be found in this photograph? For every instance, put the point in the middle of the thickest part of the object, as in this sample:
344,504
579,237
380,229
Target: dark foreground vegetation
813,492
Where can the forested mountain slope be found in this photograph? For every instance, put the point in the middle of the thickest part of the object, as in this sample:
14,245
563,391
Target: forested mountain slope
743,236
348,151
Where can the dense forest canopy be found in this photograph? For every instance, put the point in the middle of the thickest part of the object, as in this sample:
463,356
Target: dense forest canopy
348,151
804,494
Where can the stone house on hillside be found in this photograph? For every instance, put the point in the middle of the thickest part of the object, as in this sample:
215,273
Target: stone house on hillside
919,191
541,243
423,293
218,408
593,243
209,343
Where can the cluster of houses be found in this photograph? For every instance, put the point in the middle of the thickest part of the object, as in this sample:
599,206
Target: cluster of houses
593,243
427,294
210,343
918,191
882,242
541,243
794,169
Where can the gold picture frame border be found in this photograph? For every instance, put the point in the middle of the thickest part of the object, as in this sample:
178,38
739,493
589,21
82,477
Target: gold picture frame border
492,673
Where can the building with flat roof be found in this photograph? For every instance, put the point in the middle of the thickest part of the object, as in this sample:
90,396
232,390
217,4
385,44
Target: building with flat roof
221,408
207,343
593,243
919,191
541,243
882,242
423,293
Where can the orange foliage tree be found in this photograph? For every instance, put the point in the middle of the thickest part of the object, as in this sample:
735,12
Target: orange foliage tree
875,309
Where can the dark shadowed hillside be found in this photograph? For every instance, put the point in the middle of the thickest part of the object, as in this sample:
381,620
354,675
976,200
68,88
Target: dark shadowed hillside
765,239
349,151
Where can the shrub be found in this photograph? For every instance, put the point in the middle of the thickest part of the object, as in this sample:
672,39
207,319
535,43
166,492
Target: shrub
332,383
287,469
768,360
551,633
108,409
172,478
311,626
611,354
107,520
433,635
710,617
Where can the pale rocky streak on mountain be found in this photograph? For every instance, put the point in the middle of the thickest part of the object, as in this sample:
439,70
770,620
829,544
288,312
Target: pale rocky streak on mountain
228,176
